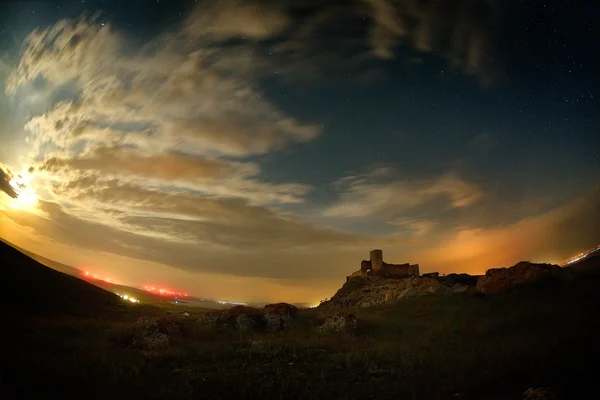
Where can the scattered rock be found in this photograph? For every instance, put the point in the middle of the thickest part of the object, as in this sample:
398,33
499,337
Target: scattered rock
272,317
498,280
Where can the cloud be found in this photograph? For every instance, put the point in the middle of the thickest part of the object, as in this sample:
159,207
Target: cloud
167,166
351,37
191,95
223,238
367,195
417,227
5,186
209,177
226,19
460,31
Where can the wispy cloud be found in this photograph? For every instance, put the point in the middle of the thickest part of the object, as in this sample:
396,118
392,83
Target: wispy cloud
368,195
460,31
417,227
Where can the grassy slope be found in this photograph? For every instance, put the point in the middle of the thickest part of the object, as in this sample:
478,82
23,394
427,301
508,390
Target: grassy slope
427,347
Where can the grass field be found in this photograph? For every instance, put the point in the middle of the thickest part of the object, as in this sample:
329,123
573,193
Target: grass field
80,343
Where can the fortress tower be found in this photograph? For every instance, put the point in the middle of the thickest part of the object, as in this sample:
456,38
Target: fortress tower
376,261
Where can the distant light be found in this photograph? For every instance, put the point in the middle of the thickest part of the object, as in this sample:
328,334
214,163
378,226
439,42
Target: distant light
126,297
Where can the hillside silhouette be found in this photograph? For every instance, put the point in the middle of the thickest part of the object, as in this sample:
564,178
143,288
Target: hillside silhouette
33,288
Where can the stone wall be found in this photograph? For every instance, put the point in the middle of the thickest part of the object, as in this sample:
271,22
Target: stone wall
400,269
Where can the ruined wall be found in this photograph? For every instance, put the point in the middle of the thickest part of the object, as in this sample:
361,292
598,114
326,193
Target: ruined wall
379,267
400,269
414,269
376,261
365,265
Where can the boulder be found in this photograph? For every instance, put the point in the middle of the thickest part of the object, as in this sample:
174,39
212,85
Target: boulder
498,280
282,308
280,316
339,323
245,323
278,322
229,318
465,279
460,288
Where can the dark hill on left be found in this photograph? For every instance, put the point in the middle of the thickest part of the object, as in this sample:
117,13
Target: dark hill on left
29,287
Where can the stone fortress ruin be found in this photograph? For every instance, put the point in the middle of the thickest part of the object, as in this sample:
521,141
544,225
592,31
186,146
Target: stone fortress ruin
375,266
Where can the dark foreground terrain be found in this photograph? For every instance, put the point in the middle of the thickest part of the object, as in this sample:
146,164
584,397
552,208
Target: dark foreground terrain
65,338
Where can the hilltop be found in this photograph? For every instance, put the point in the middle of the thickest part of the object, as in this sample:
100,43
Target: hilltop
369,291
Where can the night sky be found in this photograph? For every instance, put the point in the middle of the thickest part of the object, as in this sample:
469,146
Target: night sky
257,150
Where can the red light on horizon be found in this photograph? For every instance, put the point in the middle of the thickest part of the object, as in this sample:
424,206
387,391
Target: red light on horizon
91,276
162,291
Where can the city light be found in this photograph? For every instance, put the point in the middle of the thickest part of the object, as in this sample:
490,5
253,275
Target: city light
129,298
581,256
237,303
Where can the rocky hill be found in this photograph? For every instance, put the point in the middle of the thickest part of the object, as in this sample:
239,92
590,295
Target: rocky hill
371,291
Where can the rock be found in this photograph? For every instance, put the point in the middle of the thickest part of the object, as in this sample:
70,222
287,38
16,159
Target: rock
229,318
465,279
245,323
498,280
460,288
282,308
373,291
408,292
153,332
278,322
280,316
539,394
339,322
